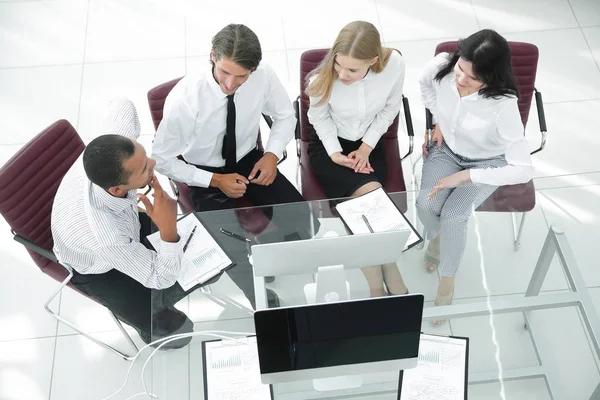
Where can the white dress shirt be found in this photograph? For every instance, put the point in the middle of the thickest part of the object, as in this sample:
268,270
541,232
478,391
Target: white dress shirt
194,123
95,232
478,127
364,109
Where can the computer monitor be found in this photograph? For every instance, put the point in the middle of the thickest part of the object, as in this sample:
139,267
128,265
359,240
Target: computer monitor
329,257
339,338
307,256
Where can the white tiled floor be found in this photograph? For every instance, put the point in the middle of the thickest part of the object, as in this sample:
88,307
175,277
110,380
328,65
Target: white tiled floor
66,58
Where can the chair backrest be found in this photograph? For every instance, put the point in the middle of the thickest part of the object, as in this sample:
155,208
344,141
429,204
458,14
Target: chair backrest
28,184
524,57
309,60
156,102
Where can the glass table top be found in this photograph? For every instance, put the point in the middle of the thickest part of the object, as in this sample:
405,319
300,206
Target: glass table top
525,308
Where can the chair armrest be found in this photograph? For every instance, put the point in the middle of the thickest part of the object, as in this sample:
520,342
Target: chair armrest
542,120
269,122
298,137
409,128
283,157
174,188
428,120
32,246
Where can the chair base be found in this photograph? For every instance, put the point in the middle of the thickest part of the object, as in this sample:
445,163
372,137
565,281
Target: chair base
87,335
517,231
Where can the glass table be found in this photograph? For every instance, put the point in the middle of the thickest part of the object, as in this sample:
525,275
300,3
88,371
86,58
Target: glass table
521,295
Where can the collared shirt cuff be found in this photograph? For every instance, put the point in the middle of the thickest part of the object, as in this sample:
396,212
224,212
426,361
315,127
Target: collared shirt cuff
170,249
476,175
371,139
275,147
202,178
332,145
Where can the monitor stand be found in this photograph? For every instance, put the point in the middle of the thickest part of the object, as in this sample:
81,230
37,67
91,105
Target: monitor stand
331,286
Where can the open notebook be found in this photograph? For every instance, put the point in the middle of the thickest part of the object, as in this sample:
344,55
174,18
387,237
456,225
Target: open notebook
375,211
204,257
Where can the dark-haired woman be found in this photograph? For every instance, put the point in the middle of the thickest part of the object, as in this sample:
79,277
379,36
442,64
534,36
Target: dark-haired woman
478,144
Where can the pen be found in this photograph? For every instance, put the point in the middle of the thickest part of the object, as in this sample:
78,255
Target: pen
367,222
185,246
234,235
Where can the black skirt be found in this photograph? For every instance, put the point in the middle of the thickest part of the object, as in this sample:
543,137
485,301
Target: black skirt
338,181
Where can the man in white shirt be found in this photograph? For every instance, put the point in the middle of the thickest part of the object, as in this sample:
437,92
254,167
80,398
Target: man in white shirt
208,137
99,232
212,121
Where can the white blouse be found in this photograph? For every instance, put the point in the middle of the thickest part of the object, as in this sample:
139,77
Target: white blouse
478,127
364,109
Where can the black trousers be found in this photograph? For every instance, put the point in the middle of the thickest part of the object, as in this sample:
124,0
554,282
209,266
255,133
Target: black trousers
279,192
151,312
290,222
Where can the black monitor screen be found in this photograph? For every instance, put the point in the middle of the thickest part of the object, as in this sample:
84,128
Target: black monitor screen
333,334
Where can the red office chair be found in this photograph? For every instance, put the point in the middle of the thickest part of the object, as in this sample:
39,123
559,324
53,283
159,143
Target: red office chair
28,184
514,198
252,221
311,188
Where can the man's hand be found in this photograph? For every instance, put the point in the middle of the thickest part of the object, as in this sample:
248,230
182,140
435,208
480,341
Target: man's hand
346,161
456,179
233,185
267,165
361,157
435,137
163,212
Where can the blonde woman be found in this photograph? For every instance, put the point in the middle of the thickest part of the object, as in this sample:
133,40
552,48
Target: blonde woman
355,94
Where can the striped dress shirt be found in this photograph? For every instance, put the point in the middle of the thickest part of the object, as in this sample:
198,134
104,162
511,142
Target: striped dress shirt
95,232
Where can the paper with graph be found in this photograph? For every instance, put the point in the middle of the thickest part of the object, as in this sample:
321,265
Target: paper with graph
380,212
441,371
203,259
232,371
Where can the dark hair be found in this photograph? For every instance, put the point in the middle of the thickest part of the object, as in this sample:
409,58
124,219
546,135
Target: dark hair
238,42
490,55
103,160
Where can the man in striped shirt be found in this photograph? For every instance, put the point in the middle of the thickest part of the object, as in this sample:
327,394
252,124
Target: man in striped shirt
99,232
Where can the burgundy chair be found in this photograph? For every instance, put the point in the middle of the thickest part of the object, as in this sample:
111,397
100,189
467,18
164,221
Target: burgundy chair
311,188
514,198
254,222
28,184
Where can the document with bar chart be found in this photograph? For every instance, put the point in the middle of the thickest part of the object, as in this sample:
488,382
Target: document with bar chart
441,373
232,372
203,258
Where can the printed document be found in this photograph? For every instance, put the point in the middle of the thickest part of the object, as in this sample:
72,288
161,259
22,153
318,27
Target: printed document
203,259
380,212
441,371
232,370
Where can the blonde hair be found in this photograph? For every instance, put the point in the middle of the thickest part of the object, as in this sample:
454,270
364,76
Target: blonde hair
359,40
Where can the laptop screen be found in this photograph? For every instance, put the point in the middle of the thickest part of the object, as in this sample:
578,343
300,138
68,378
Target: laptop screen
341,333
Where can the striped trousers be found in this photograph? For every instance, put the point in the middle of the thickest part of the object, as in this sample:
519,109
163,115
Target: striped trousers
448,212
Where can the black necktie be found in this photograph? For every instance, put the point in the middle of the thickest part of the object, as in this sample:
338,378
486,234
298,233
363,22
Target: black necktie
229,150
